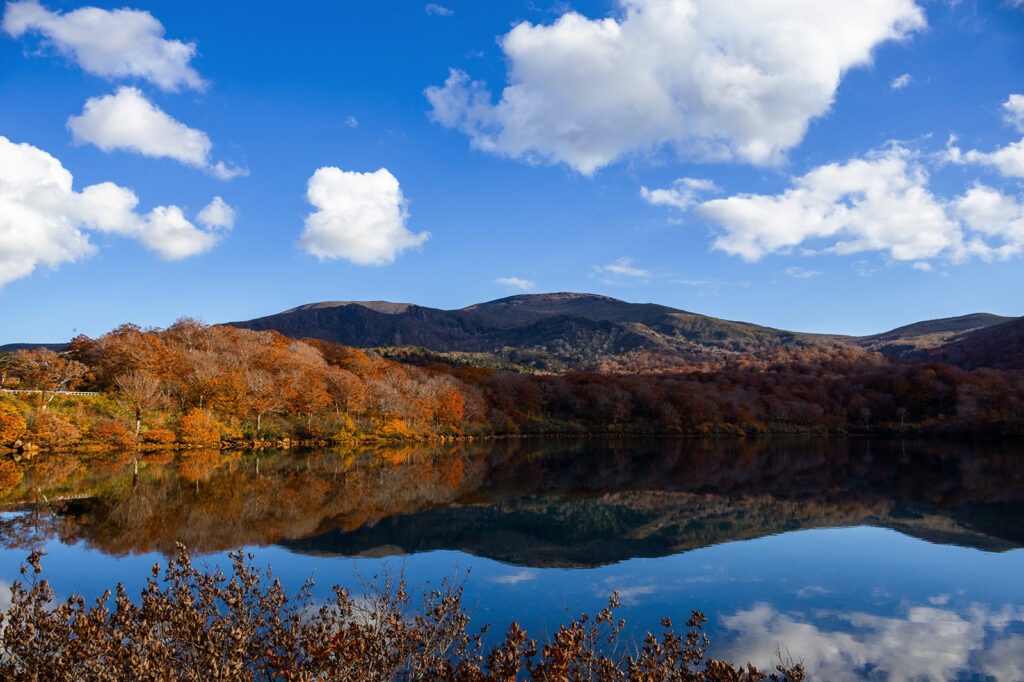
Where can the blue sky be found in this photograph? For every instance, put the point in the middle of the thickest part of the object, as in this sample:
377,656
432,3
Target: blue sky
811,165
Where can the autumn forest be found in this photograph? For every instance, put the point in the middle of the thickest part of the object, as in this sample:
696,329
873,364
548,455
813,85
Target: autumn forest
198,385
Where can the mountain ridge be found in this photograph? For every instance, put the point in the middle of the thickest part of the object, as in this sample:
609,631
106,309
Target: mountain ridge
561,331
571,330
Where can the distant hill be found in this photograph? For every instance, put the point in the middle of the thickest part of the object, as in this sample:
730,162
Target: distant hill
544,331
11,347
567,331
907,342
998,346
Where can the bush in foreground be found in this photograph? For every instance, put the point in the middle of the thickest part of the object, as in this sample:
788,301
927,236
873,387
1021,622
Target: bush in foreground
196,625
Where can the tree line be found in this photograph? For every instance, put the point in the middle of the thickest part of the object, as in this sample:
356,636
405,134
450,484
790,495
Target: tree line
193,384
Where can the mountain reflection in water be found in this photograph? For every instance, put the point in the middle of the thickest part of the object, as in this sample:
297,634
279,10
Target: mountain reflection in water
531,503
906,565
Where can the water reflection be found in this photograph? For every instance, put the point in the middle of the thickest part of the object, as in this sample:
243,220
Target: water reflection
881,560
530,503
921,642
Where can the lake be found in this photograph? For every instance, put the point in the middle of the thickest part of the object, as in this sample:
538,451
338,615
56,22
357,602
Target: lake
889,560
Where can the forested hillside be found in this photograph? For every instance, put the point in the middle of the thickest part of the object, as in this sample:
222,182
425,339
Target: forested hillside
192,384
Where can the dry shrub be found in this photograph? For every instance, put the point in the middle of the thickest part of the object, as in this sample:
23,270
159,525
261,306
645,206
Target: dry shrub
196,428
113,434
50,430
195,625
158,436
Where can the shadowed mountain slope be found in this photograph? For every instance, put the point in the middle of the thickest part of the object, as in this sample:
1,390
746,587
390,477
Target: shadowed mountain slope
907,340
559,331
565,330
997,347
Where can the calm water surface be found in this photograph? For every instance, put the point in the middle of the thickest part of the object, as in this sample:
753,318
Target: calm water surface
865,559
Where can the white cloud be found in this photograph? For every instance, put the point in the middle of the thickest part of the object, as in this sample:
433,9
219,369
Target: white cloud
226,171
923,643
517,282
623,267
44,222
166,231
436,10
522,576
865,269
217,215
881,202
1014,108
1008,160
1003,660
801,273
352,122
360,217
121,43
812,591
713,79
128,121
630,596
682,195
992,214
900,82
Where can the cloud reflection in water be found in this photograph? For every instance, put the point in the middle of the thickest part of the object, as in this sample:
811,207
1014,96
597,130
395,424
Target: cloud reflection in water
922,643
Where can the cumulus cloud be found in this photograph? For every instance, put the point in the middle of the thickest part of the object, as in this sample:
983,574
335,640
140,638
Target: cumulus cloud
992,214
719,80
127,121
1008,160
880,203
45,222
900,82
360,217
217,215
121,43
877,203
517,282
923,643
682,195
1014,110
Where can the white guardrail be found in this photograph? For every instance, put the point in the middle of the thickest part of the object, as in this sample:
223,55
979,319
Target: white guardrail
26,390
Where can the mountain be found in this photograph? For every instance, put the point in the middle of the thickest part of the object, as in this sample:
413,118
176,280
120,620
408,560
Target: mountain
999,346
907,342
544,331
11,347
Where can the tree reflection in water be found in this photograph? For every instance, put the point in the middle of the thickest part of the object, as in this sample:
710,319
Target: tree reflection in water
535,503
836,598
